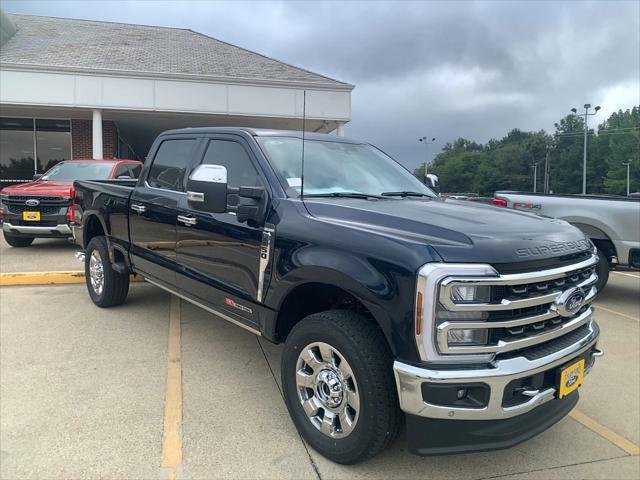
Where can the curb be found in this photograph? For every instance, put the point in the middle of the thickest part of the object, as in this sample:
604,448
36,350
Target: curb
47,278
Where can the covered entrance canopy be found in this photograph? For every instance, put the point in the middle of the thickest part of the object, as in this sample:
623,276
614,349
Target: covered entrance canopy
110,88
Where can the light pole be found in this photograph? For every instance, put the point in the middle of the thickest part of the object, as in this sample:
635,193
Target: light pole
627,163
546,170
586,114
426,142
535,176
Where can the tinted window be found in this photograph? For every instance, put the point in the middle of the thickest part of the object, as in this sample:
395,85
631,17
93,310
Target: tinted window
123,170
170,164
135,170
230,154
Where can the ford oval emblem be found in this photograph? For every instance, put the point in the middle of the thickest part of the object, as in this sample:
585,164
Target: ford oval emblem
32,202
570,302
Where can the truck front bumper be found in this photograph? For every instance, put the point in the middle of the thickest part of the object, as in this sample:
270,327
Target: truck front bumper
59,230
517,396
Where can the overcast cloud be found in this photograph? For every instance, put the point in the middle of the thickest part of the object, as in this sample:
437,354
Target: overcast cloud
441,69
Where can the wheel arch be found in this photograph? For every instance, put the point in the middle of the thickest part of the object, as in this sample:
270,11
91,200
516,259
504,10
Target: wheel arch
324,289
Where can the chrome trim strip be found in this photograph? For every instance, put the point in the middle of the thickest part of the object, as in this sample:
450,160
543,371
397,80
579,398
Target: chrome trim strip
63,229
204,307
532,277
409,379
449,304
265,256
505,346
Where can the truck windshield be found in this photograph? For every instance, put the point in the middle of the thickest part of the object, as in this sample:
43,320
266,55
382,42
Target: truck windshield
79,171
334,168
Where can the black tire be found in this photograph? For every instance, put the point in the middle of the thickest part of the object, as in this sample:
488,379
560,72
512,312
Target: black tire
602,269
115,285
363,345
18,242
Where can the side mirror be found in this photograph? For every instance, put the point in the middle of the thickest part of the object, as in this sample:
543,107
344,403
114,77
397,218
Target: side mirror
431,181
207,188
37,177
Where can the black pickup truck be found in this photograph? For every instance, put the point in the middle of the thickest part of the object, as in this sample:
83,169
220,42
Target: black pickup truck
472,323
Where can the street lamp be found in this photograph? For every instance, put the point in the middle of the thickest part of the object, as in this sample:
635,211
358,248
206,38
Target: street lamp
426,142
586,114
535,176
627,163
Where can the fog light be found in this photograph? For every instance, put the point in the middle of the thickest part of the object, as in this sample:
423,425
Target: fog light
470,336
470,294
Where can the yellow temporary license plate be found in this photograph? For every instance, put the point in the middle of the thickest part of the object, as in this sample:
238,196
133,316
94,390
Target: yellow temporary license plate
31,216
571,378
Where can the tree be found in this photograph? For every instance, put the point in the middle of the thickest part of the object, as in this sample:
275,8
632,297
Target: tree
505,164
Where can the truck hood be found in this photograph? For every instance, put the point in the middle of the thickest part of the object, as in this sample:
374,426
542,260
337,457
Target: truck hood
49,188
459,231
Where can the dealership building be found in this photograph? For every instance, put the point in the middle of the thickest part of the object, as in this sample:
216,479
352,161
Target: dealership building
86,89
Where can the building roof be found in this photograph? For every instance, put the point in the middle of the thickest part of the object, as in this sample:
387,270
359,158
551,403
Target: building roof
69,44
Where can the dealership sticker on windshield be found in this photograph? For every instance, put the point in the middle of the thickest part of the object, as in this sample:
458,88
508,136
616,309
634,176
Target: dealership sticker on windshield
31,216
294,182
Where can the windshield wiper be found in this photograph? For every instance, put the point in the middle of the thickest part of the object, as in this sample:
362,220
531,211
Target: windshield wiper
404,194
342,195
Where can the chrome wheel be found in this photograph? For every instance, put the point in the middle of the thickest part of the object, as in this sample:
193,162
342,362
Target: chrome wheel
96,272
327,390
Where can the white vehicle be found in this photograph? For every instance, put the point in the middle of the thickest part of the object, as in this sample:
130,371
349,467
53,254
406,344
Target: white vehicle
612,223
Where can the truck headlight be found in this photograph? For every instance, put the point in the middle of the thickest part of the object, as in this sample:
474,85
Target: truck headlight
463,336
471,293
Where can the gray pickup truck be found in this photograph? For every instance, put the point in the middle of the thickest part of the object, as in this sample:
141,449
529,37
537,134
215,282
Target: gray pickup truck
612,223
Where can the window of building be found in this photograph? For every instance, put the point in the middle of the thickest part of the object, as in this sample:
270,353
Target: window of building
170,164
53,142
29,146
17,150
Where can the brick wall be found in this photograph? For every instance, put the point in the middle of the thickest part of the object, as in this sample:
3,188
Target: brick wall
82,139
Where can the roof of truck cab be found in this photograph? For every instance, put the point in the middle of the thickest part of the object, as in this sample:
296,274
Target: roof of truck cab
261,132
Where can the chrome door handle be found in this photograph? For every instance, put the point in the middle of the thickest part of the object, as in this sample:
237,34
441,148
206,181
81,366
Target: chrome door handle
138,208
187,220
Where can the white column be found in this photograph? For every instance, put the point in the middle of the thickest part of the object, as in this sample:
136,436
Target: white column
97,134
340,129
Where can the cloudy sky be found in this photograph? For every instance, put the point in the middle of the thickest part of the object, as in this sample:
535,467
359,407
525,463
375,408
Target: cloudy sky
441,69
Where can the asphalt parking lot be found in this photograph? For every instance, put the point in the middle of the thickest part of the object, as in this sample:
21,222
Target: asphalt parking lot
157,388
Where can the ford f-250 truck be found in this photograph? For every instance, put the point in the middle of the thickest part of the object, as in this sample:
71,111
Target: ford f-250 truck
472,323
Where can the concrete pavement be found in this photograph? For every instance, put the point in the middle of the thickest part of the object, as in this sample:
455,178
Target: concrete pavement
82,395
58,253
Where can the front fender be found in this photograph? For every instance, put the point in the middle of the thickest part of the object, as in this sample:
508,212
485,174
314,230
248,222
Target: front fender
386,290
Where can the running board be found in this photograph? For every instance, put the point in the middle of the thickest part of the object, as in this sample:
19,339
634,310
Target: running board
204,307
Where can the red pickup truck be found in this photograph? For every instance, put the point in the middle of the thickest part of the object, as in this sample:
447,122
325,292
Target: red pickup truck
45,207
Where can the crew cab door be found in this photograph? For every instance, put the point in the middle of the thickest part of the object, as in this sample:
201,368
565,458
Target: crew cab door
154,209
214,249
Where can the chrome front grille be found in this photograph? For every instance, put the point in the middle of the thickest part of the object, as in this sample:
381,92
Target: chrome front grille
522,311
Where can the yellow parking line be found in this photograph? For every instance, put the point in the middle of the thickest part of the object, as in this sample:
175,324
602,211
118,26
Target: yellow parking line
630,317
47,278
41,278
172,438
606,433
